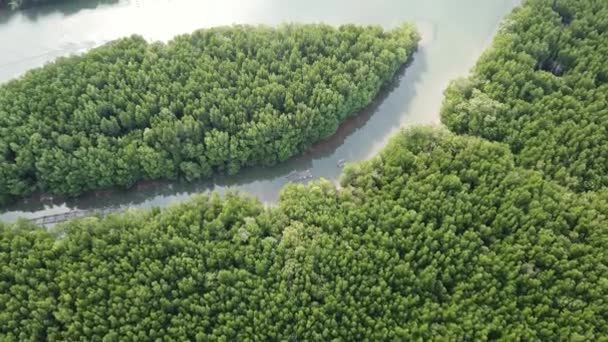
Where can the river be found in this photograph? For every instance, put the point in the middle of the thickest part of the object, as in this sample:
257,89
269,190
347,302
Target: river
455,33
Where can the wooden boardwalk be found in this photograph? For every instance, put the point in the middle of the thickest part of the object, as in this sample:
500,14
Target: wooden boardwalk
298,176
57,218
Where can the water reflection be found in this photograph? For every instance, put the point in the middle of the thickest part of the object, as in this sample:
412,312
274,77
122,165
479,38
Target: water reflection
64,8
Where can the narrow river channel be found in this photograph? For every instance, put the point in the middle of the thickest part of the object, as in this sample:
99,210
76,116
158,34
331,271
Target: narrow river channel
455,33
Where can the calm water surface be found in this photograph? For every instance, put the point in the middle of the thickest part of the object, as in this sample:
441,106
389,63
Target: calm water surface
454,34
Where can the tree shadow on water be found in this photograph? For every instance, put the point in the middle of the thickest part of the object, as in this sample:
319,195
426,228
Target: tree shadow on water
64,7
384,112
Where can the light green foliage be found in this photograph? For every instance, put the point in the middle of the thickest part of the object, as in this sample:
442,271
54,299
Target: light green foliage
542,89
440,236
214,100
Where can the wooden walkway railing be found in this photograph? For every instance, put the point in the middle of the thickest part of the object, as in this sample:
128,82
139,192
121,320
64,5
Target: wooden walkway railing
57,218
297,176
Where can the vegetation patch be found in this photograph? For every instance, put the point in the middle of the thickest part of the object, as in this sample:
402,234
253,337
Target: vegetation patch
441,236
543,88
438,237
212,101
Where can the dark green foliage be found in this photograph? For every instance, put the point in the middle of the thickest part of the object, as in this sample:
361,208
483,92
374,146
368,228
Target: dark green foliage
440,236
215,100
542,89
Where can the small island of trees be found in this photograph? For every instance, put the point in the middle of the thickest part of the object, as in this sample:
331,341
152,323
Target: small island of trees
212,101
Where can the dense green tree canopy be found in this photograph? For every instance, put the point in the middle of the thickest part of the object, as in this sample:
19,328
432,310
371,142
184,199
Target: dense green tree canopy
543,89
440,236
214,100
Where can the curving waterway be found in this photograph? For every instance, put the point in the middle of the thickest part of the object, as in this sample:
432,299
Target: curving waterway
454,34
